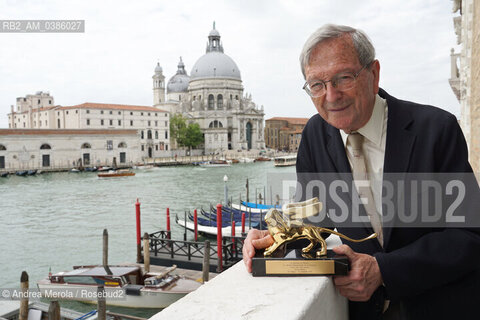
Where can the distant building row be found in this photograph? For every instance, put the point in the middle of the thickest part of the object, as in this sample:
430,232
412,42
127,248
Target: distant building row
284,133
22,149
38,111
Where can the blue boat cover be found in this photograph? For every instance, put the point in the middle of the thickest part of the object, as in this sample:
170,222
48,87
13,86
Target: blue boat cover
260,206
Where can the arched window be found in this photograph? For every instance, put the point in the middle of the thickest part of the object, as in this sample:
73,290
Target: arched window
219,102
149,134
45,146
2,147
211,102
86,145
122,145
142,134
215,124
156,134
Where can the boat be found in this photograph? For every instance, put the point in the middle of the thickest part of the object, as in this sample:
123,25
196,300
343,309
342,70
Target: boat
10,310
116,173
31,172
211,221
136,290
244,208
260,205
259,159
211,227
104,168
21,173
230,213
285,161
74,170
246,160
4,174
214,163
143,166
91,169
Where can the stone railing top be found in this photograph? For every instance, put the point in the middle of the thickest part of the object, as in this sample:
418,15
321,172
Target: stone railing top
235,294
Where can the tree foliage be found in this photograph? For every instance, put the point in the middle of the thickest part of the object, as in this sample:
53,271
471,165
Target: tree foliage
186,135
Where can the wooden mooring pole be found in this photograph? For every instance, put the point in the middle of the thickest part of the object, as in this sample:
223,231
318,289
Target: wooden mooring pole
54,310
168,223
146,253
195,223
185,226
243,223
219,237
101,303
105,252
206,262
23,313
139,249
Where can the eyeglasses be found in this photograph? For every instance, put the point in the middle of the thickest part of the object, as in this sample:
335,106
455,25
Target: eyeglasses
341,81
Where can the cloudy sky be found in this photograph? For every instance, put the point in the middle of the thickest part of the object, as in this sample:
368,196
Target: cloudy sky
113,61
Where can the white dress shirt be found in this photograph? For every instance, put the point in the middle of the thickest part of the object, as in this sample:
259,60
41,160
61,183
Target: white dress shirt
375,134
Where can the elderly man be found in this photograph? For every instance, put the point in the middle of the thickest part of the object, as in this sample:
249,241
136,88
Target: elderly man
407,273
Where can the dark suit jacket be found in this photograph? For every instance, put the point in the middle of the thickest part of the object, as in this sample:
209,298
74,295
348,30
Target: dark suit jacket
434,272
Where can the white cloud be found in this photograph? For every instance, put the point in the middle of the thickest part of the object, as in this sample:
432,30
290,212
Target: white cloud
113,60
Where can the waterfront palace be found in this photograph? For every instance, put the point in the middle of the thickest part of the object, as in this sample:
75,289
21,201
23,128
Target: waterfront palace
211,96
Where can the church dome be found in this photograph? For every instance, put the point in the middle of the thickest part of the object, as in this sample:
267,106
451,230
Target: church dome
214,63
179,82
214,32
158,68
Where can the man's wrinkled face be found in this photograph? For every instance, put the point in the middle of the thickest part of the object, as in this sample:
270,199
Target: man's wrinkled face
350,109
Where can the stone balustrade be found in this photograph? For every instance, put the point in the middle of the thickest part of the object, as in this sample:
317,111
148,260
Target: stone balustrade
235,294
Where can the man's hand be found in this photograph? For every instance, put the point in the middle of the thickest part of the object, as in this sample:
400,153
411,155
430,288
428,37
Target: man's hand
363,278
256,239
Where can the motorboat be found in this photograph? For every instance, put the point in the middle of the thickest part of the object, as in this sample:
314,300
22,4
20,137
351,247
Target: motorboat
116,173
104,168
215,163
10,310
285,161
125,286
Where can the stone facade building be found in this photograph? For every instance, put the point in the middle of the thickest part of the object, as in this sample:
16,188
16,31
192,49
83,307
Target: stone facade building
39,112
283,133
465,73
213,97
56,149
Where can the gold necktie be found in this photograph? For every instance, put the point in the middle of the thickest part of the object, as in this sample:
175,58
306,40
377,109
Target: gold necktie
359,171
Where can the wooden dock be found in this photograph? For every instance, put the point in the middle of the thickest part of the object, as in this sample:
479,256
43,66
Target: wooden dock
190,254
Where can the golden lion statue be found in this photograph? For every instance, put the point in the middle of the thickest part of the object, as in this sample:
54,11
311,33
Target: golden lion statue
292,228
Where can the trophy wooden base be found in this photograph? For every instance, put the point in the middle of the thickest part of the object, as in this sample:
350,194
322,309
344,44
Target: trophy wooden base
295,263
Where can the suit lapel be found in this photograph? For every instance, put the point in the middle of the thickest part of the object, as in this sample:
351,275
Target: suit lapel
398,149
336,150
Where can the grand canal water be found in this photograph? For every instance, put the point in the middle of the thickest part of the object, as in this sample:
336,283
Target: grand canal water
57,219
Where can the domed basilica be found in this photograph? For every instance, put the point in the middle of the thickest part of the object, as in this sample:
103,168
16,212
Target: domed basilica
213,97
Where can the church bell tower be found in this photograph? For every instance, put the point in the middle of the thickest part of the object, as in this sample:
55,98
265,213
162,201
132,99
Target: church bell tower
158,86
